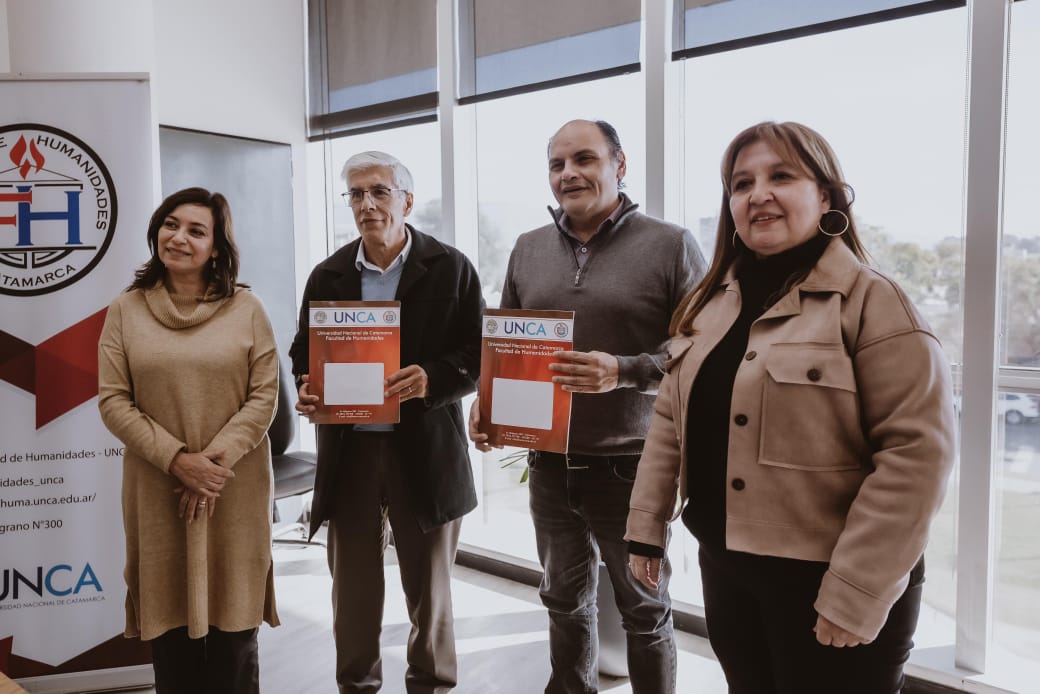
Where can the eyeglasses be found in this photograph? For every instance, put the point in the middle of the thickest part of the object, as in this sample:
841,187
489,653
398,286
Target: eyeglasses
355,196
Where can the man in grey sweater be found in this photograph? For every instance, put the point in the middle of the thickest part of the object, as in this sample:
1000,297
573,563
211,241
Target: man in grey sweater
623,273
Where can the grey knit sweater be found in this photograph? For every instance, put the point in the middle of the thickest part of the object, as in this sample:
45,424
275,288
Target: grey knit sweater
639,270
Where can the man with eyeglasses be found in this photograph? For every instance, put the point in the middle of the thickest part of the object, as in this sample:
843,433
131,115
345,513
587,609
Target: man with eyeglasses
414,475
623,274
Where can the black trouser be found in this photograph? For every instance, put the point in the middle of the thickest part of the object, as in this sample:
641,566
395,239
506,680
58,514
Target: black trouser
760,619
222,662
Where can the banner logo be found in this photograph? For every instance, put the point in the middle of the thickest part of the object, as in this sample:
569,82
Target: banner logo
57,209
47,582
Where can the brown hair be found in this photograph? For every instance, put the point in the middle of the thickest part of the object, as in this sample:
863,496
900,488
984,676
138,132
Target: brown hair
221,275
799,146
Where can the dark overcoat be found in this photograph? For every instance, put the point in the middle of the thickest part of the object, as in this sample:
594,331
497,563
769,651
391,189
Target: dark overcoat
441,310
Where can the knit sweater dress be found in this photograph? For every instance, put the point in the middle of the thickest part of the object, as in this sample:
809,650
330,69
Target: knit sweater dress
176,374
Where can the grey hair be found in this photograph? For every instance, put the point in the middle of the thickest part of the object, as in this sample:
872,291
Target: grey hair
367,160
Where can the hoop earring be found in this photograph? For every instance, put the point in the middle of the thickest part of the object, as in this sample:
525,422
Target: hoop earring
735,237
827,233
850,193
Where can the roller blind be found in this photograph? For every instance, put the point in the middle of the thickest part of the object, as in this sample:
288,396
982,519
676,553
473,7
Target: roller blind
711,26
373,63
508,46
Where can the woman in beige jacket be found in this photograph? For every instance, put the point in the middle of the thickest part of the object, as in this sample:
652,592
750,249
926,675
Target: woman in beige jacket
188,380
807,417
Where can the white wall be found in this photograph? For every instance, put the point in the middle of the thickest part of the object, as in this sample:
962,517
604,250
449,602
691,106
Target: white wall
233,67
237,67
67,36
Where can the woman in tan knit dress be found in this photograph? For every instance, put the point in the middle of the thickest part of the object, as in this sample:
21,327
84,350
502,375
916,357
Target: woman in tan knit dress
188,381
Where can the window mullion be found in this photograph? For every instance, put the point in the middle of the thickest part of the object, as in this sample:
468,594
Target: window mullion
976,544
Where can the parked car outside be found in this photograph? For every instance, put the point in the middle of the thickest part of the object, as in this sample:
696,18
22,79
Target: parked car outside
1015,408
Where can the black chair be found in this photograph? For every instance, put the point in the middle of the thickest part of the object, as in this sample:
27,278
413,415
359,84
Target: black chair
293,470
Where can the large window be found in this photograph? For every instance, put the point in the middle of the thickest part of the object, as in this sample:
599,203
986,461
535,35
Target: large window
1020,308
883,80
1016,626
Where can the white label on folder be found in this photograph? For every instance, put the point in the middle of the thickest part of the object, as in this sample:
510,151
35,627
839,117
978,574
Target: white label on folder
522,403
353,384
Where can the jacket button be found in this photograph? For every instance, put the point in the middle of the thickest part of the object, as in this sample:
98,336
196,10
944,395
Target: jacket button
737,484
740,419
814,374
751,355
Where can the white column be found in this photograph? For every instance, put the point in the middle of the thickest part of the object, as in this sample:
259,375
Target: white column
446,87
656,54
976,553
458,140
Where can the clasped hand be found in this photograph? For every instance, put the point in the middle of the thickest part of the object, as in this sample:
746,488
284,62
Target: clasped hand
202,478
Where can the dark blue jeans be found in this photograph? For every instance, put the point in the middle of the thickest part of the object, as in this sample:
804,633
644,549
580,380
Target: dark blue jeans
579,517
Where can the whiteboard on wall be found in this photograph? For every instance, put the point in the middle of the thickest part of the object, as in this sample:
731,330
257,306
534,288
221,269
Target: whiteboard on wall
256,178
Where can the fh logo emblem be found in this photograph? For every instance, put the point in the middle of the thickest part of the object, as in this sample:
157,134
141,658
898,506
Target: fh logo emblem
57,209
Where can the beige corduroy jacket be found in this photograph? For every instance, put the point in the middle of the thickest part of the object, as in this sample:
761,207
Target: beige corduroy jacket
841,435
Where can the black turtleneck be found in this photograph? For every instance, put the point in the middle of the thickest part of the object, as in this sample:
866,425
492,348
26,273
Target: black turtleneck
708,418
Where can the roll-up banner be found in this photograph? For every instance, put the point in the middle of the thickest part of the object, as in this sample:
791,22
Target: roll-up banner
76,192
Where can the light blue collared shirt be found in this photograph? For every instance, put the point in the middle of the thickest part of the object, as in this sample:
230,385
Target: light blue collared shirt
363,263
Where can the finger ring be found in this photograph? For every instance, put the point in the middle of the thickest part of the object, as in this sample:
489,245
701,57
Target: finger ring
409,390
202,503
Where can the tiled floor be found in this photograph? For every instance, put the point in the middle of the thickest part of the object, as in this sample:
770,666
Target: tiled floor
501,633
500,626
